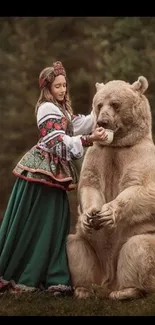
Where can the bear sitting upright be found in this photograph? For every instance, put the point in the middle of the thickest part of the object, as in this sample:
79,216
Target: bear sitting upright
114,243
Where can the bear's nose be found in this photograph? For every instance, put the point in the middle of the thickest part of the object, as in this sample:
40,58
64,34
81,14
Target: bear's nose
103,123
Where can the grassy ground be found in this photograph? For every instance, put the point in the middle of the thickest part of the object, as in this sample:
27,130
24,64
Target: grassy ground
33,304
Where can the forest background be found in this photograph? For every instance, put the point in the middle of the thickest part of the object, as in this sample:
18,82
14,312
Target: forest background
92,49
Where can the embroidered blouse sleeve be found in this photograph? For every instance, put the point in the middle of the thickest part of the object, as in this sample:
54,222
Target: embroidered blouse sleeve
52,125
82,124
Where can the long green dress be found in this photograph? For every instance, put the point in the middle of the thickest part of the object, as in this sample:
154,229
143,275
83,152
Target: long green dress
36,222
33,236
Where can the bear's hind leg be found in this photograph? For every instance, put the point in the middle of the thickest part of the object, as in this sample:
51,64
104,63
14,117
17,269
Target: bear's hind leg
83,264
127,293
136,268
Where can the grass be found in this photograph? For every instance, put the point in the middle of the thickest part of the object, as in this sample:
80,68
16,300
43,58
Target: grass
34,304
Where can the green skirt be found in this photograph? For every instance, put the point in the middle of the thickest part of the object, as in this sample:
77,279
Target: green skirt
33,236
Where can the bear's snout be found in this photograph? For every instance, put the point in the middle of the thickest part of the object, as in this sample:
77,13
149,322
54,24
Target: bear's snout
103,123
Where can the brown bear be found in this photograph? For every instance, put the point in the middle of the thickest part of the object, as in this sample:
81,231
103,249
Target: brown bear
114,243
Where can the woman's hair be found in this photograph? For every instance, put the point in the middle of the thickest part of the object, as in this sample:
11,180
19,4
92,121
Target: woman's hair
46,78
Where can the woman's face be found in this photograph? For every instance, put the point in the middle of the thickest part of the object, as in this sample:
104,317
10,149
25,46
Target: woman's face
58,88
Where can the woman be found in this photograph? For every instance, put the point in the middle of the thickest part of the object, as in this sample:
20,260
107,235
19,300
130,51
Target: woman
36,222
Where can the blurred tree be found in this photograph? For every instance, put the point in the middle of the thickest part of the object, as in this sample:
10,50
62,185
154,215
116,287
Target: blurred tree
91,48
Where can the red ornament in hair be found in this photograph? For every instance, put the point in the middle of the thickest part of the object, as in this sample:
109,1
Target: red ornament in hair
42,82
58,69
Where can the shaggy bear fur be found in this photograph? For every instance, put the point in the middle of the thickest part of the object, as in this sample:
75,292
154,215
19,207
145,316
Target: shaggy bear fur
114,243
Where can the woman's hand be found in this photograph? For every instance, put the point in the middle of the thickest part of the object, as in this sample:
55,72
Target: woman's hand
98,135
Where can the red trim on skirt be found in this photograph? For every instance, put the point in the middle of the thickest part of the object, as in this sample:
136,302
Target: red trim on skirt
71,187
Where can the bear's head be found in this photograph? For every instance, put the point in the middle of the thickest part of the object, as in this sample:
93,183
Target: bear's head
124,108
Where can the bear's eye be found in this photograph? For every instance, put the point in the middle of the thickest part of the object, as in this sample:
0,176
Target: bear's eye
115,105
99,106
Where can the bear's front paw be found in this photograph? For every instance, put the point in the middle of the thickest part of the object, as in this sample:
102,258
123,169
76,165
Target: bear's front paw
108,215
87,220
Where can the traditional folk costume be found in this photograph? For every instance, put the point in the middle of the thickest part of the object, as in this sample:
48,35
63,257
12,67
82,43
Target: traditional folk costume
37,219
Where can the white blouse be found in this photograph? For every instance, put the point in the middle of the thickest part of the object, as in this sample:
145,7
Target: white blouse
51,123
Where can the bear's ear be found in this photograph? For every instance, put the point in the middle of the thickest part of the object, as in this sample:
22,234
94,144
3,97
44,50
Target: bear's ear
140,85
99,86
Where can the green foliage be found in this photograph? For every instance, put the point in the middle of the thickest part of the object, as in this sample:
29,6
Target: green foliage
91,48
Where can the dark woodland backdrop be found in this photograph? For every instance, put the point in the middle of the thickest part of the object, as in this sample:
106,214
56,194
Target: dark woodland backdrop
91,48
